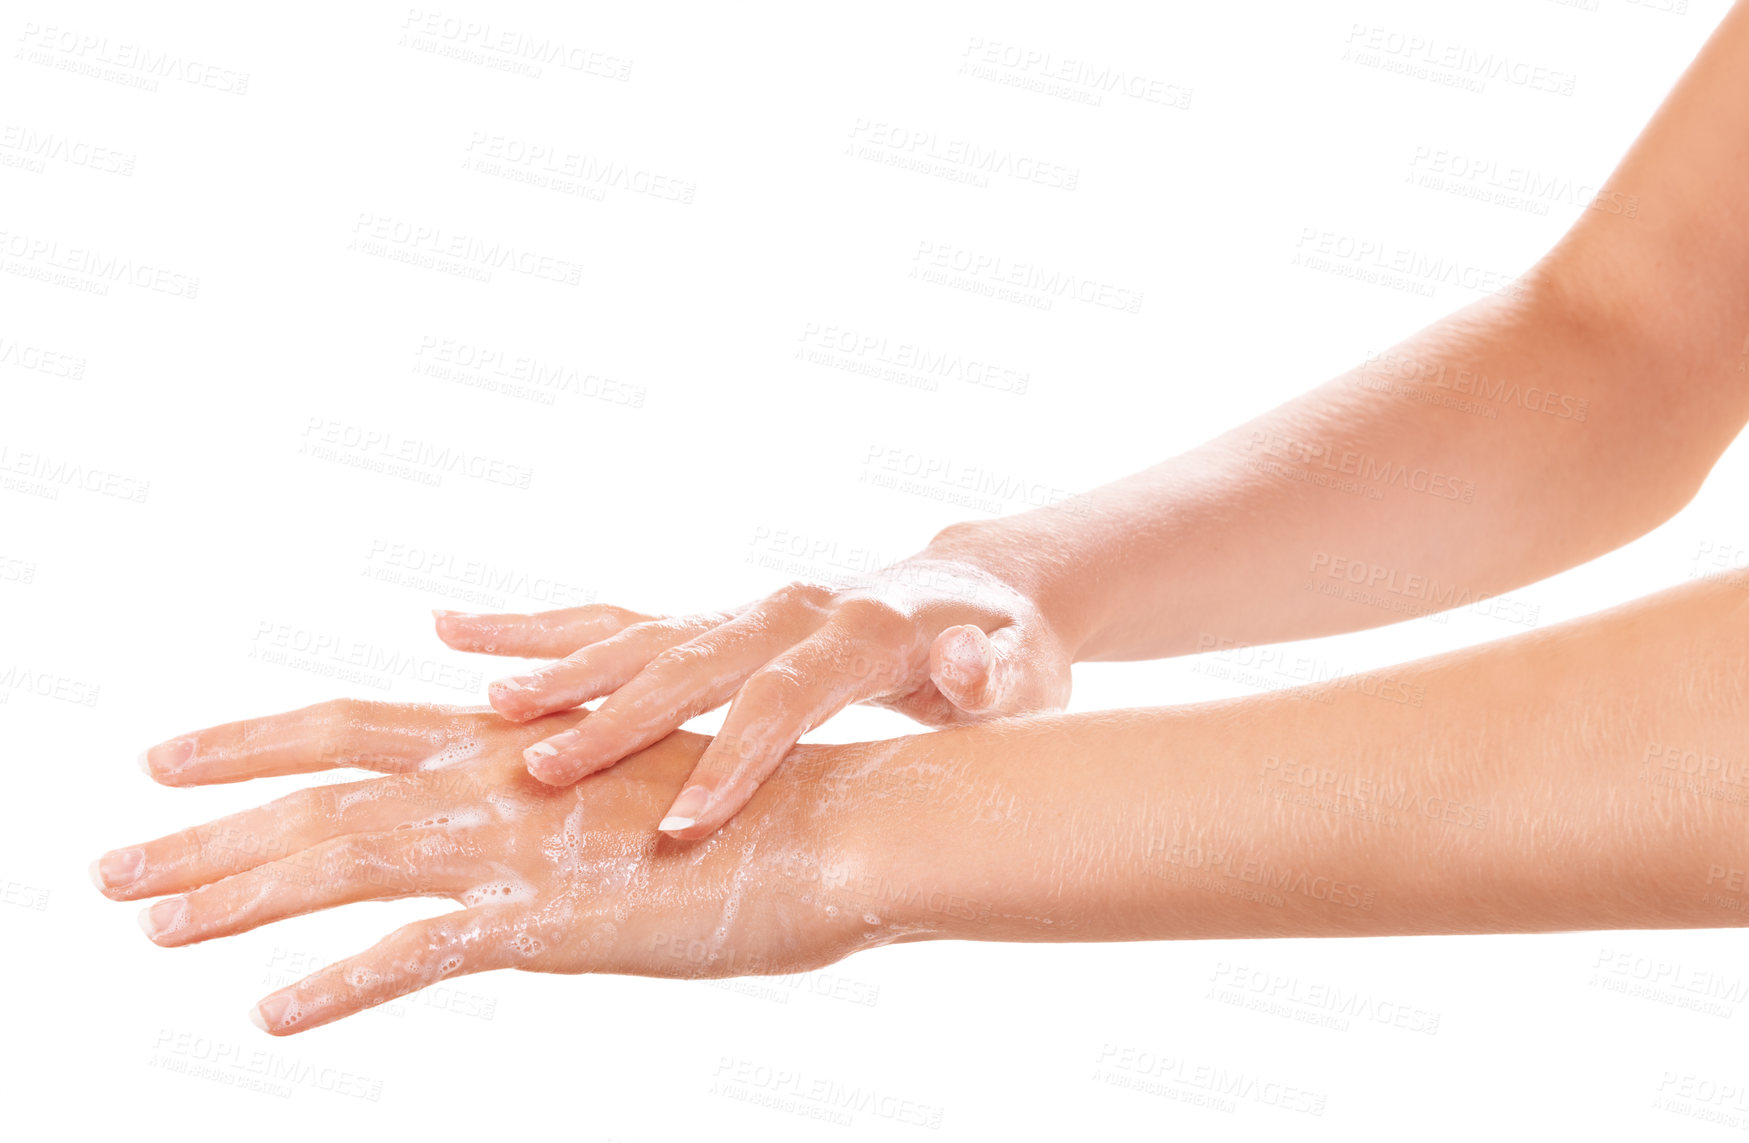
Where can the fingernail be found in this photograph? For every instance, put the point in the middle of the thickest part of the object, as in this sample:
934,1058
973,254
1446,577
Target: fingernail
517,683
270,1013
537,756
562,741
685,811
437,614
169,757
163,917
117,868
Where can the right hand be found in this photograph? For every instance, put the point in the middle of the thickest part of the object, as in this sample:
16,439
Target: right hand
940,640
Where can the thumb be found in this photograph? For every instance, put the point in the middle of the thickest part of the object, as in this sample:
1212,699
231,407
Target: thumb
1003,672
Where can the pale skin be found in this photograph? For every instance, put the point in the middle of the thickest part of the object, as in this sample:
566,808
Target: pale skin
1517,437
1592,775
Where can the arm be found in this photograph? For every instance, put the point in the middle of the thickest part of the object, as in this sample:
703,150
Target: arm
1526,792
1544,428
1513,439
1592,775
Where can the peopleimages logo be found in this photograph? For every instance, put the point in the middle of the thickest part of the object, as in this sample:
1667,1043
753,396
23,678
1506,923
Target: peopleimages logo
330,439
1429,595
512,49
143,66
92,270
1370,469
1427,55
1043,284
436,248
1468,381
1256,871
56,473
861,351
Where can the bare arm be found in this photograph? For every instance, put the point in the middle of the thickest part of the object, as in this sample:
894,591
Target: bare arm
1522,435
1589,776
1515,438
1592,775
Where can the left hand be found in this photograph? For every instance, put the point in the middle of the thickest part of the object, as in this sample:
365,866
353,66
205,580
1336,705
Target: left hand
552,879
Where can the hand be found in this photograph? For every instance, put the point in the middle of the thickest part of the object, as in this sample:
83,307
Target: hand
552,879
937,639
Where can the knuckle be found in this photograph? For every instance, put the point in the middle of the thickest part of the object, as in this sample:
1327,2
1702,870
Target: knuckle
874,672
372,860
801,595
679,661
662,630
340,711
342,857
577,661
313,806
876,616
729,750
864,662
334,722
435,942
612,620
635,631
770,689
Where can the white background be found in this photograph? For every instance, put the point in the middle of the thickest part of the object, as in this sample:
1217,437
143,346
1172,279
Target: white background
205,563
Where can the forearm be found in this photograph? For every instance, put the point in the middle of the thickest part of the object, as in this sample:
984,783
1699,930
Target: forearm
1526,786
1422,479
1511,440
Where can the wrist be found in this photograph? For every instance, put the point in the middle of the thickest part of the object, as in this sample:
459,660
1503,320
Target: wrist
1037,561
939,835
872,854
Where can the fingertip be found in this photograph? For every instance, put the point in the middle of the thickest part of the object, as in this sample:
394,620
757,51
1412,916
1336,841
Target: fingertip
275,1013
513,699
160,922
117,871
681,820
544,765
168,759
144,761
449,623
510,685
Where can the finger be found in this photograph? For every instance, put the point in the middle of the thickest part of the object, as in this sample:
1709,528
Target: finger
796,692
359,867
279,829
414,956
544,635
329,735
594,670
995,674
682,682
